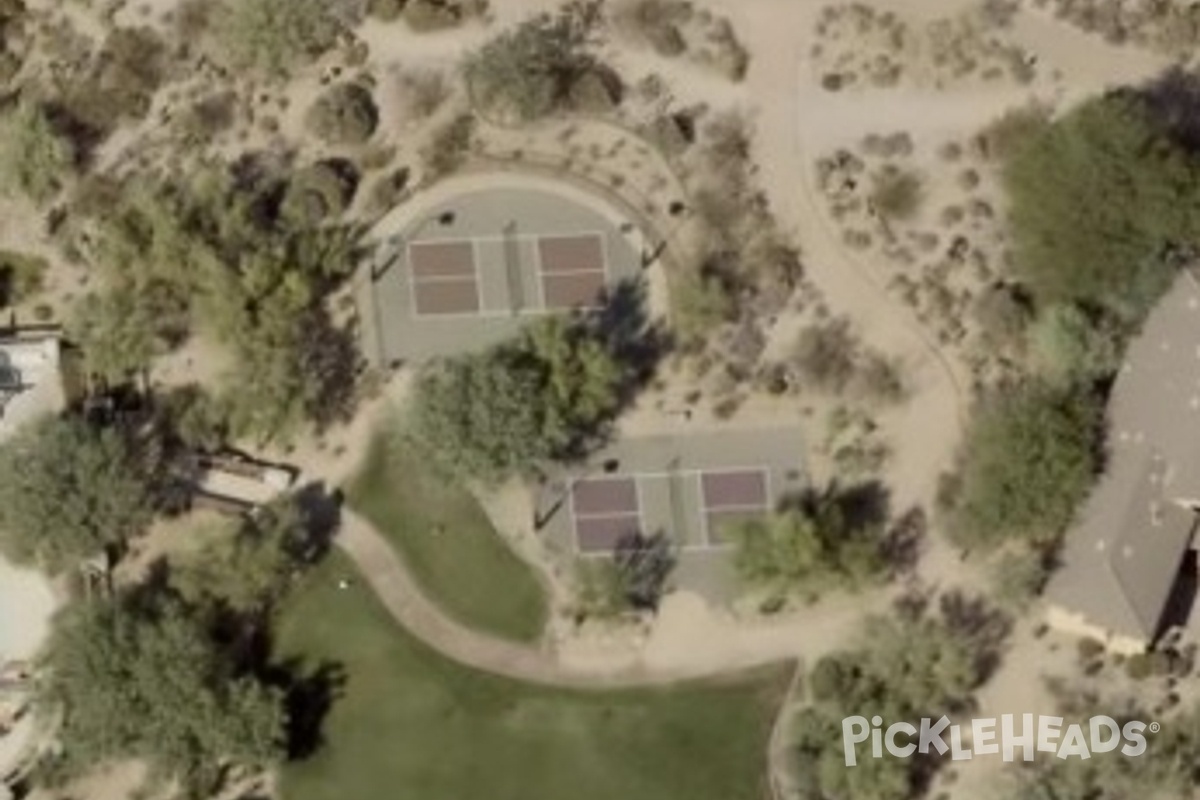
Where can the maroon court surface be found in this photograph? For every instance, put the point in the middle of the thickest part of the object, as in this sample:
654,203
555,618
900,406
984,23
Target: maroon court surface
444,278
732,496
605,511
573,273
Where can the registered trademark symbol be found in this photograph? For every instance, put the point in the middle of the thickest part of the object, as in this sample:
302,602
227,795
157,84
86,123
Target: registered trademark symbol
1155,727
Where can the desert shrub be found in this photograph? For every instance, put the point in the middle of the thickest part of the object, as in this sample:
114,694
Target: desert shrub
206,118
131,67
21,276
420,93
825,355
344,114
527,72
595,92
876,380
388,190
385,10
433,15
319,192
35,159
1003,313
448,146
896,194
730,56
658,23
275,36
700,301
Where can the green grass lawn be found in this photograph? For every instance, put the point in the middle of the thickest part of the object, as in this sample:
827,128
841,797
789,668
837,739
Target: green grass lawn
410,724
449,543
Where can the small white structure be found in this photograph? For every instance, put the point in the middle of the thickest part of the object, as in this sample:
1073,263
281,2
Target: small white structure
234,483
30,387
30,379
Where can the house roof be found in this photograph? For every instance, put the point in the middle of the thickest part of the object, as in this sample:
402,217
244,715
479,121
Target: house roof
1121,559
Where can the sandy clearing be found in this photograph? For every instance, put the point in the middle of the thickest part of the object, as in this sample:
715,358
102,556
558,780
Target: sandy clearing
27,602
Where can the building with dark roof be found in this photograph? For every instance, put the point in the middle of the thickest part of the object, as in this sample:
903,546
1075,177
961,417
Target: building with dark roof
1123,561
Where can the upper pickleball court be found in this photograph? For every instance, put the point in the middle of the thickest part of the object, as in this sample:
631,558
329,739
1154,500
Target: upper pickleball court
471,269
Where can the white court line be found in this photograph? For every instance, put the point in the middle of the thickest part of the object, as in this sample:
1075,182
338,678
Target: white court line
708,544
609,514
585,271
447,279
537,275
478,275
500,238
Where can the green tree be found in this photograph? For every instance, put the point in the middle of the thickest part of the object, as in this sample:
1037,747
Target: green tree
545,394
1166,771
808,549
1029,458
344,114
152,684
1099,199
907,667
579,376
67,491
122,330
35,160
479,415
1069,345
528,72
275,36
213,254
247,565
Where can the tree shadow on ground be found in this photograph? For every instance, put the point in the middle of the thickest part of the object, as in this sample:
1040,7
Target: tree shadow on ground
321,514
1173,99
635,341
309,696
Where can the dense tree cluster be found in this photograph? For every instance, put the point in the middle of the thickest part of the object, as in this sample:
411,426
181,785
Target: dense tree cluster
1030,456
151,682
216,255
69,491
543,395
35,159
917,664
819,544
245,566
1102,202
536,68
275,36
1169,769
344,114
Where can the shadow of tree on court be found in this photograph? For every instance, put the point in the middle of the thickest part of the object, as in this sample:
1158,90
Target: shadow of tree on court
634,340
644,563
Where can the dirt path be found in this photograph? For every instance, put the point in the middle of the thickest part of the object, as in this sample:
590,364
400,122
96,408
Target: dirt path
388,577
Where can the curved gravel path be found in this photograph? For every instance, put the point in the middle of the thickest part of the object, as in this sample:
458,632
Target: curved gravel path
394,585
